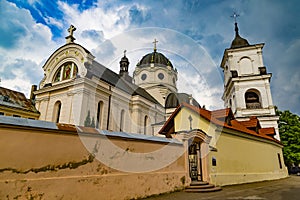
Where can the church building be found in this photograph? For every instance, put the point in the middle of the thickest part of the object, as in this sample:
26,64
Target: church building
80,100
76,89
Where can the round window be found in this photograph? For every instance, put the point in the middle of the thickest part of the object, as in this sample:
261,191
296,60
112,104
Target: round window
144,76
161,76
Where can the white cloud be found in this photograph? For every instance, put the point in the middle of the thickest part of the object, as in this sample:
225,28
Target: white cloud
54,22
195,66
111,22
30,43
209,23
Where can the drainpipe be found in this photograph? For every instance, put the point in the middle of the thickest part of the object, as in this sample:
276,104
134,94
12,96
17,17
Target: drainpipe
108,110
32,95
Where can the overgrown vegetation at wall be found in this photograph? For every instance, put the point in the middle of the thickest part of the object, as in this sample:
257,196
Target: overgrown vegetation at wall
289,129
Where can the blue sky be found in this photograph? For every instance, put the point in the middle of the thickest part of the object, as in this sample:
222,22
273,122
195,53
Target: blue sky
32,30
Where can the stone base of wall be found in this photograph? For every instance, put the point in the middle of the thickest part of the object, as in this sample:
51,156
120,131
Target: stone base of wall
222,179
110,186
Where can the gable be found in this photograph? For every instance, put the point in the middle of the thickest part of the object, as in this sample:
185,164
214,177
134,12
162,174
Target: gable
69,53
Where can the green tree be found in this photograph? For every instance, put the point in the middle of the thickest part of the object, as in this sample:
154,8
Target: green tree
88,122
289,129
93,123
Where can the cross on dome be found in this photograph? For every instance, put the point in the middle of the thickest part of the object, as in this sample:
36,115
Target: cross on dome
155,41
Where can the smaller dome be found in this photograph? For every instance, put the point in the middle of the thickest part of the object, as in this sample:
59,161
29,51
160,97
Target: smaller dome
173,100
157,58
238,41
124,59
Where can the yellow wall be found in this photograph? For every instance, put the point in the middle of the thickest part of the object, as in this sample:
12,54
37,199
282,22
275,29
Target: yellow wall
49,154
16,111
239,159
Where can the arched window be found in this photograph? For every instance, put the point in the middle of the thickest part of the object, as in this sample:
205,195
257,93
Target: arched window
145,124
246,66
252,98
99,114
122,120
66,71
56,111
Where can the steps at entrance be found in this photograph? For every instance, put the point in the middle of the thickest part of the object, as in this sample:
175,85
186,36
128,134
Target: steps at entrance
200,186
194,183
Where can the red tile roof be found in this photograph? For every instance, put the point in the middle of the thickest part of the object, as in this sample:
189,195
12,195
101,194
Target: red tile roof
11,98
221,113
251,123
267,131
206,114
66,127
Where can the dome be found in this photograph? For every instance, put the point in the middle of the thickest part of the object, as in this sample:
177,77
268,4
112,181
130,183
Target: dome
175,99
238,41
157,58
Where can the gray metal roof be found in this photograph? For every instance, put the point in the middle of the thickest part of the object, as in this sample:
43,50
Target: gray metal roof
15,121
139,136
26,122
112,78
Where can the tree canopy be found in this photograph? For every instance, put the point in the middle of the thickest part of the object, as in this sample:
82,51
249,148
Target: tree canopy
88,122
289,129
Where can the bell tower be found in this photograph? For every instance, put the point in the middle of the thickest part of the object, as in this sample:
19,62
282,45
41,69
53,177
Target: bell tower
247,83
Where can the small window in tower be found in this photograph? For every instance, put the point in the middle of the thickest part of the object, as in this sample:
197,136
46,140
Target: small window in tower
143,77
161,76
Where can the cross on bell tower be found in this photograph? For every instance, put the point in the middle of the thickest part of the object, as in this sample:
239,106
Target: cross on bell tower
235,15
70,38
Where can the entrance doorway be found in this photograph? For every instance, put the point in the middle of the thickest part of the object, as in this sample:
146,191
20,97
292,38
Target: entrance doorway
195,168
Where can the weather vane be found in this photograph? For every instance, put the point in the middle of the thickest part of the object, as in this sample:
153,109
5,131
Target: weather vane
235,15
